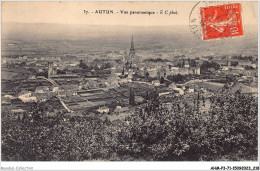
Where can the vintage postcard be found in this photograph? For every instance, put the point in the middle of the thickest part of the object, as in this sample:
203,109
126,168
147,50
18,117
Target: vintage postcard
129,81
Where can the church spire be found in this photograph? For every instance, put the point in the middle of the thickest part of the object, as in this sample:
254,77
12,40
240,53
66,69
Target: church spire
132,48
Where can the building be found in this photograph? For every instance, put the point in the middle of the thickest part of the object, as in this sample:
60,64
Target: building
17,113
103,109
186,64
172,86
132,50
42,89
156,83
121,110
152,72
27,96
130,59
184,71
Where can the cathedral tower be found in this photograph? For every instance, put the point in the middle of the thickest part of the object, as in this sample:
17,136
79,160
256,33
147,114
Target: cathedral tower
132,50
131,59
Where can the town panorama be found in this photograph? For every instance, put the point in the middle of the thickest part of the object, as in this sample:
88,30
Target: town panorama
156,94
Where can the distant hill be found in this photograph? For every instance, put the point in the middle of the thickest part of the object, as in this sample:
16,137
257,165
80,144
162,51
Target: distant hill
158,37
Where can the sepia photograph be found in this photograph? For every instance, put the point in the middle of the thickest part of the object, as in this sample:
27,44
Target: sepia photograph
129,81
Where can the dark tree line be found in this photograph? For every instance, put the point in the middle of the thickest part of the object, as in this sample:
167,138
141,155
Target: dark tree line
156,60
207,65
94,66
176,78
240,57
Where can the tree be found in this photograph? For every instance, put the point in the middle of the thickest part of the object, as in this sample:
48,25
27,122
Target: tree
234,63
180,65
61,72
206,65
119,61
162,80
107,65
123,72
230,79
155,132
83,65
228,132
176,78
132,97
23,63
192,63
147,74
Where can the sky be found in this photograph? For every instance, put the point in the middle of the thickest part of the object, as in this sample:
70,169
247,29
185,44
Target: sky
73,13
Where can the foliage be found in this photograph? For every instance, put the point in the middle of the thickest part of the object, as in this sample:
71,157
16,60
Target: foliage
240,57
192,63
55,139
234,63
176,78
176,132
207,65
230,78
228,132
162,80
249,68
94,65
83,65
119,61
156,60
44,74
132,97
61,71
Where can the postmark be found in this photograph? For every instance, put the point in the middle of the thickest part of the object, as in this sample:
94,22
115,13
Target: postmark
221,21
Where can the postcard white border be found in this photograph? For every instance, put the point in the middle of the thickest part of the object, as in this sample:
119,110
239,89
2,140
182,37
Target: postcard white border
97,165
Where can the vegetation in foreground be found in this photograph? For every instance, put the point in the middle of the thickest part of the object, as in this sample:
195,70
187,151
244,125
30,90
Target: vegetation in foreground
159,133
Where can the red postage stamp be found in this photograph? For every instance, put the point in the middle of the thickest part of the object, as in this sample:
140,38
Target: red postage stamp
221,21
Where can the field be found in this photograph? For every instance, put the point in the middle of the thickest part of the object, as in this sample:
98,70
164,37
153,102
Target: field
210,85
8,74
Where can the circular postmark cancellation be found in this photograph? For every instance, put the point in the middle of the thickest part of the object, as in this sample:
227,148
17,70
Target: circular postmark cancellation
214,20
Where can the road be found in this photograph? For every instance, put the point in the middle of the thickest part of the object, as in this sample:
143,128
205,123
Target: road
54,83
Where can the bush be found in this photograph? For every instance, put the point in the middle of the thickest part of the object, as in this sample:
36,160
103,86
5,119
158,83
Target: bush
157,132
228,132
